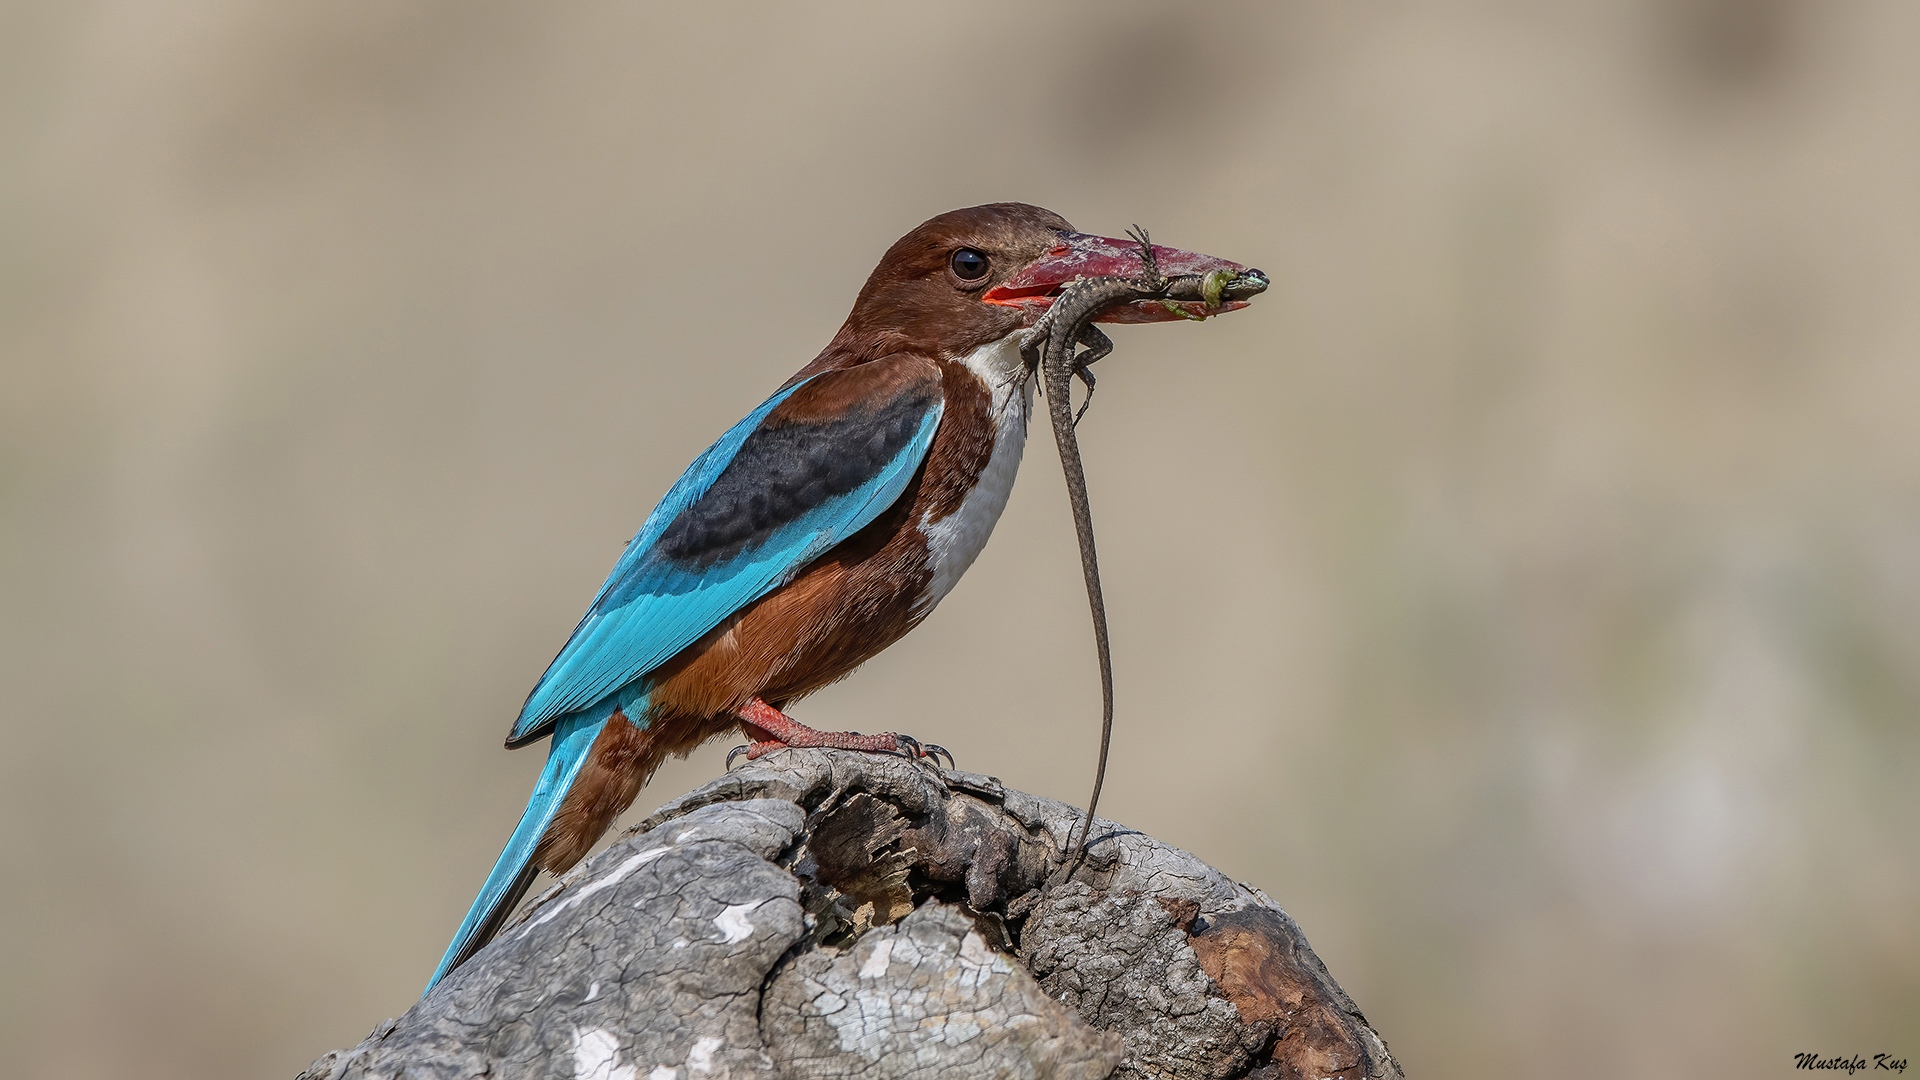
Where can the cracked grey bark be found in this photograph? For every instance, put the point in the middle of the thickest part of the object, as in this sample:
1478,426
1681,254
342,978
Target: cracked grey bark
827,913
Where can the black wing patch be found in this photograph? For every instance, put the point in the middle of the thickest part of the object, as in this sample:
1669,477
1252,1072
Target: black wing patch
786,468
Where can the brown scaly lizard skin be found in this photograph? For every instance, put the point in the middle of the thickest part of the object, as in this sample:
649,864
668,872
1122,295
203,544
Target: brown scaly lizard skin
1052,349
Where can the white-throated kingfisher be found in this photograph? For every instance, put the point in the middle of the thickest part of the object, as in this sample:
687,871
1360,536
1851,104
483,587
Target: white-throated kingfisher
813,534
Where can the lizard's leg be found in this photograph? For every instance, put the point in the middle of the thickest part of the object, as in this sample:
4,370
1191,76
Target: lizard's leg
1098,344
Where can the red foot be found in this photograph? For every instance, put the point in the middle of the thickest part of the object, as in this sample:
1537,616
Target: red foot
782,731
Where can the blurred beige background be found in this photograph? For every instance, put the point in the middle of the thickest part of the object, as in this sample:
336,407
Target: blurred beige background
1526,592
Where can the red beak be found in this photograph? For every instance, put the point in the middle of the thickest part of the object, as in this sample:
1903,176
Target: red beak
1078,255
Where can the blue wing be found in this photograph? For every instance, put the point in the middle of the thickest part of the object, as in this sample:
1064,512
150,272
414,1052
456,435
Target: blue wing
810,467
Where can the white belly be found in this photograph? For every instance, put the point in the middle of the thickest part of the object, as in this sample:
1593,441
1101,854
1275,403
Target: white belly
954,541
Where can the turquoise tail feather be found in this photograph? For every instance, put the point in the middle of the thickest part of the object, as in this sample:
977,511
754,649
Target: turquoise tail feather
514,871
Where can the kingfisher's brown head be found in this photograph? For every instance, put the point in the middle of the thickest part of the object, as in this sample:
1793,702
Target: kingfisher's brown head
970,277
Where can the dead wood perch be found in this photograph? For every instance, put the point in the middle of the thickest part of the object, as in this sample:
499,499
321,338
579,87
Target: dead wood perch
835,914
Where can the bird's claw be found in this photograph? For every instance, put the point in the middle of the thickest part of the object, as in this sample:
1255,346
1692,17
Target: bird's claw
915,749
754,751
905,745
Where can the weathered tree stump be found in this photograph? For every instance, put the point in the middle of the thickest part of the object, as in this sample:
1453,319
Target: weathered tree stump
834,914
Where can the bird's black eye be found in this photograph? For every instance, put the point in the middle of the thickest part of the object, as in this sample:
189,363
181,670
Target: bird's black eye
969,265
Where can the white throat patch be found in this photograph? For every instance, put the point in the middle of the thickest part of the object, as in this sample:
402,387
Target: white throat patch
954,541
